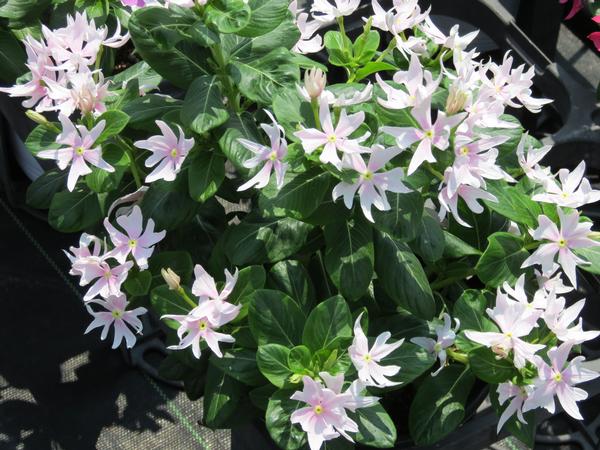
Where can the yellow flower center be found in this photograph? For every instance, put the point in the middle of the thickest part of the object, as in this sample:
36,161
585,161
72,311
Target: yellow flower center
107,274
132,243
429,134
80,150
202,325
367,357
331,138
437,347
318,410
273,155
464,150
117,313
174,153
564,195
368,175
509,335
562,243
558,377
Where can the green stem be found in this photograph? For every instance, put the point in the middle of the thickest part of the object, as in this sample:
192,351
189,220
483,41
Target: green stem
230,90
340,21
314,104
433,172
98,62
448,281
547,339
389,48
459,357
532,246
133,165
186,297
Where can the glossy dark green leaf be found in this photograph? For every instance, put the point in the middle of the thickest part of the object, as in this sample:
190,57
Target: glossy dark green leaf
327,322
487,367
240,363
502,259
203,107
205,175
275,318
272,361
282,431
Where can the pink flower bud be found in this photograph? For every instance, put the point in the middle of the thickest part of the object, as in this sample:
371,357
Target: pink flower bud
314,82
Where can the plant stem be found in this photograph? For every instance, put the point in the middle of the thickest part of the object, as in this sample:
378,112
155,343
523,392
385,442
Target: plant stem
532,246
547,339
98,63
230,91
434,172
314,104
448,281
459,357
340,21
389,48
133,165
186,297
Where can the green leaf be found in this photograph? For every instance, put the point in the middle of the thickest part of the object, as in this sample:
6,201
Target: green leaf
166,301
299,359
403,219
339,48
222,395
144,111
488,368
349,256
470,310
402,276
260,79
116,121
162,38
242,126
229,16
43,188
328,321
501,261
272,361
365,47
240,363
12,57
591,255
249,280
457,248
299,197
292,278
373,67
203,107
439,406
41,138
22,9
74,211
265,16
282,431
205,175
275,318
375,427
413,360
513,204
430,243
138,283
168,205
258,241
102,181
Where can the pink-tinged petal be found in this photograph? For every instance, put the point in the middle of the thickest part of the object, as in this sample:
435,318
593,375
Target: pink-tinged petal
568,262
325,117
164,171
253,146
204,285
167,133
348,124
311,139
132,223
422,113
78,168
260,180
567,400
369,197
595,38
380,349
424,342
333,382
348,191
380,157
544,256
422,153
330,155
405,136
484,338
95,132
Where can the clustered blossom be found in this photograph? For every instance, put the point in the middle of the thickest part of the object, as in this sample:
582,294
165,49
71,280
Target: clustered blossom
106,271
62,68
445,338
213,311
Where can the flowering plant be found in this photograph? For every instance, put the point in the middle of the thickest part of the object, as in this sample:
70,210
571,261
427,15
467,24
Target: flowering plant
314,248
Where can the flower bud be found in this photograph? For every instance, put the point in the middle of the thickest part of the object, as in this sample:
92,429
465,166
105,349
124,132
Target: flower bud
456,101
314,82
501,352
171,278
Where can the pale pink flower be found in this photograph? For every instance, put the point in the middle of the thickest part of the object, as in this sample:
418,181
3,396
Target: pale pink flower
366,361
79,255
168,152
310,41
515,321
333,139
559,378
325,12
83,93
116,314
429,134
205,289
403,15
530,158
371,184
79,150
108,280
135,241
138,3
551,282
558,319
417,82
507,391
454,41
519,294
315,81
454,190
325,417
200,324
272,157
572,235
574,190
445,338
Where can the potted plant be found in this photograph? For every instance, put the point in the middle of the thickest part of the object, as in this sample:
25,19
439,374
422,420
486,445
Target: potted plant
349,262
